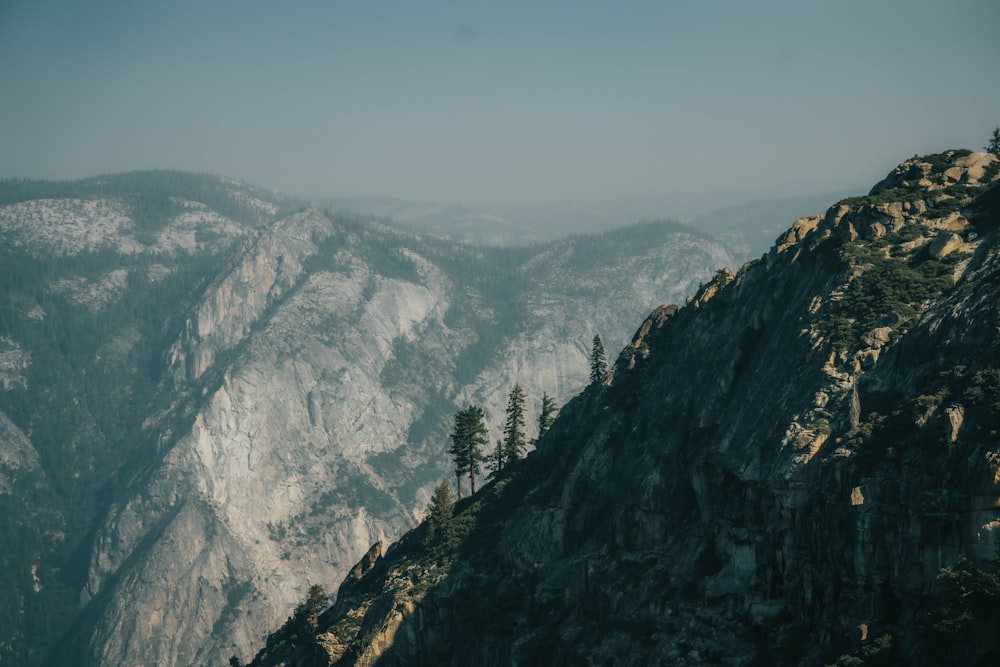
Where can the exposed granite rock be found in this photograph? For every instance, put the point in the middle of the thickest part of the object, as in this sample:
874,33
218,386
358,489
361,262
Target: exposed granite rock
944,244
253,401
931,174
230,309
800,229
302,413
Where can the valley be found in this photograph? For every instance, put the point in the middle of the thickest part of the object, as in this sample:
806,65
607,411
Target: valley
214,397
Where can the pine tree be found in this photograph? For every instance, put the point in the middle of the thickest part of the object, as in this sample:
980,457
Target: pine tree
496,460
442,505
439,512
598,361
546,416
467,442
514,442
994,145
308,611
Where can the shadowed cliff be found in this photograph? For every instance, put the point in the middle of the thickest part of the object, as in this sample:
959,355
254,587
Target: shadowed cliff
800,466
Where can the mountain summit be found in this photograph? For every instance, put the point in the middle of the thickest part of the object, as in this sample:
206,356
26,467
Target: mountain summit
799,466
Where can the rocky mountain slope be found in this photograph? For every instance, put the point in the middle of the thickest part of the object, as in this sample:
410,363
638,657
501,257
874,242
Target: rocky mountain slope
209,401
798,467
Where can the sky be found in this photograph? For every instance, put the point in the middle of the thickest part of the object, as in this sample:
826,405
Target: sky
509,102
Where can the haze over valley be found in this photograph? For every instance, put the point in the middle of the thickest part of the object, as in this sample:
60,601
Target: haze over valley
562,333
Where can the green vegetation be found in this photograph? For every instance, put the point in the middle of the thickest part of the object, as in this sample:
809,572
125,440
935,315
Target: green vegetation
959,628
955,196
591,249
978,392
94,374
888,196
958,198
879,652
967,594
546,415
993,146
467,441
980,396
446,528
985,208
722,277
439,512
821,426
308,609
305,619
897,422
514,441
598,361
889,292
941,161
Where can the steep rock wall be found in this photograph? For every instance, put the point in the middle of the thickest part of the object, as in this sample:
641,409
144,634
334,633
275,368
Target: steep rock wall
316,379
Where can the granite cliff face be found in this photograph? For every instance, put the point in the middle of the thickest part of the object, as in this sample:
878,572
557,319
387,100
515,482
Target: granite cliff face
210,403
800,466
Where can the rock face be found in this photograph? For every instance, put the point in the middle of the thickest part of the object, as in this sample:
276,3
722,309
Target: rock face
211,402
799,467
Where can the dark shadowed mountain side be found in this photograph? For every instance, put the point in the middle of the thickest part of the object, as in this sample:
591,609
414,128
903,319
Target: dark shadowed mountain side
800,466
210,400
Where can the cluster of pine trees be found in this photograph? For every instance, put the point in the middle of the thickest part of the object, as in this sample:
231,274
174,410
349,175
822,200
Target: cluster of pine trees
469,438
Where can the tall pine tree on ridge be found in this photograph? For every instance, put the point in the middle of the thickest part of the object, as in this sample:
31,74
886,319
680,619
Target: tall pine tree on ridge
514,441
546,416
598,361
467,442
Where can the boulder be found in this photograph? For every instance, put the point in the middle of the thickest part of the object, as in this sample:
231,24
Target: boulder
945,244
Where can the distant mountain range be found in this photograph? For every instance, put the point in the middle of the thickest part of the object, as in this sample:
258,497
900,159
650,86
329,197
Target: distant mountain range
213,396
749,226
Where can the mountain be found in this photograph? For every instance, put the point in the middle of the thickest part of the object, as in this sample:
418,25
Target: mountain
799,466
211,398
749,227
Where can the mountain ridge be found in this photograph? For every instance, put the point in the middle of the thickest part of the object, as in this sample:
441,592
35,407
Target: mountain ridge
798,467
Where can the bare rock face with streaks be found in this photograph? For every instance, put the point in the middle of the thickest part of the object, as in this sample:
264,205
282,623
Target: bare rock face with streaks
256,395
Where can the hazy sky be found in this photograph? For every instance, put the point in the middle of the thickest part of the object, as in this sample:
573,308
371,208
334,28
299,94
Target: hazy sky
496,102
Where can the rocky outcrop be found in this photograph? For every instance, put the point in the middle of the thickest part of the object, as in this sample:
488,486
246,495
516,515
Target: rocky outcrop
798,468
933,173
232,307
309,446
